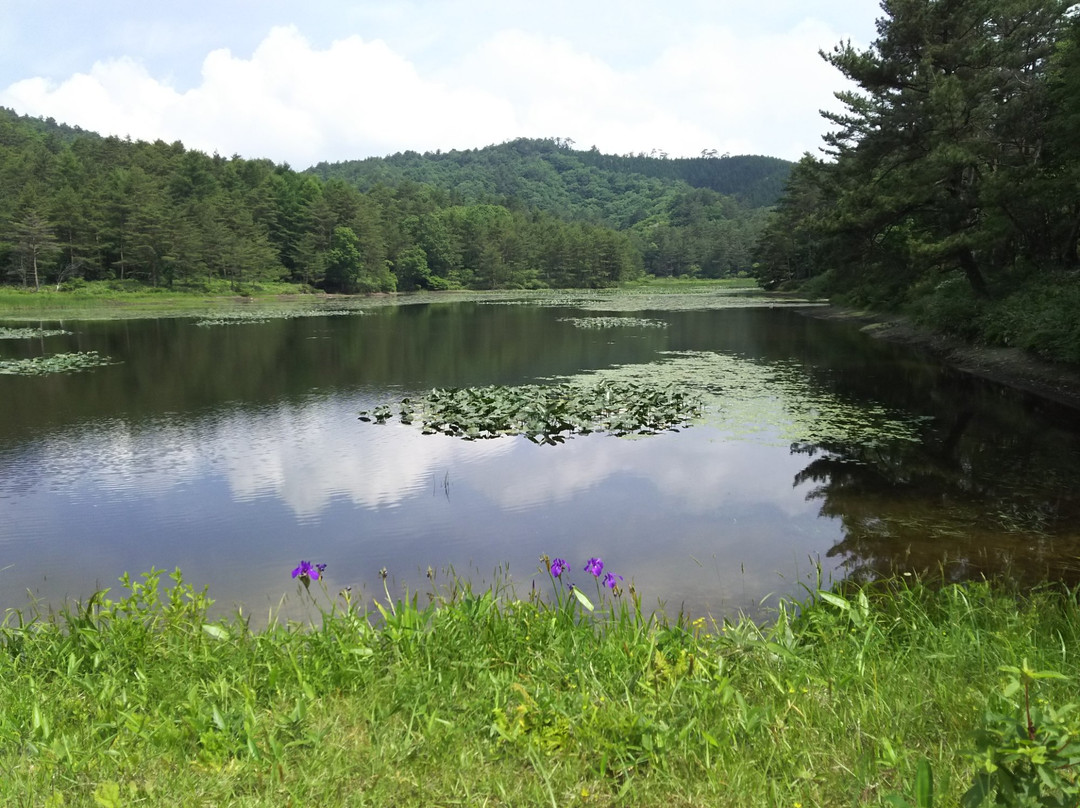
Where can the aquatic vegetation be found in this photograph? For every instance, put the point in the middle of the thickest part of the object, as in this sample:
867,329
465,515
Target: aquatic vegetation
594,566
548,413
31,333
646,299
613,322
56,363
776,402
243,317
703,300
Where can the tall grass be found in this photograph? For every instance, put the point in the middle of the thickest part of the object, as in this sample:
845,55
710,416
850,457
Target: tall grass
482,698
109,299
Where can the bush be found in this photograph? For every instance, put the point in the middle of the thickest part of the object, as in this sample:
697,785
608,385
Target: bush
1040,316
950,307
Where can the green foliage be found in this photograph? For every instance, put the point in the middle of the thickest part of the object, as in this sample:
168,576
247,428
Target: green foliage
1027,754
1035,312
1038,316
75,208
924,789
142,698
954,161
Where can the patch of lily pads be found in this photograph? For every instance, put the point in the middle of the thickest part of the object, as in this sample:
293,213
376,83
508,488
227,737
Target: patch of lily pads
638,300
548,414
695,301
56,363
266,315
613,322
776,403
771,403
31,333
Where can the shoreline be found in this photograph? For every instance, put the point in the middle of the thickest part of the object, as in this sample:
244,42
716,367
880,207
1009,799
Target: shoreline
1012,367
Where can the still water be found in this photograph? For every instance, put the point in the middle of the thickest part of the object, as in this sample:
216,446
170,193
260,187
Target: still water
235,451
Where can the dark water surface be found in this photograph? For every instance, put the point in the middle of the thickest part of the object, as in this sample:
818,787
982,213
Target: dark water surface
235,451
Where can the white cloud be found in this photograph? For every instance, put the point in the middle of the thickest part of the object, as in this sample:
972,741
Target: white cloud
289,102
701,86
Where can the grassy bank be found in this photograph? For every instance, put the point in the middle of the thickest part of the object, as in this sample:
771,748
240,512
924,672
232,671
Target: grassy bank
122,299
115,299
484,699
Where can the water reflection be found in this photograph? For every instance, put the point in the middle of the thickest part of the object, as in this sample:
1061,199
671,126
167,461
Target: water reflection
276,482
984,494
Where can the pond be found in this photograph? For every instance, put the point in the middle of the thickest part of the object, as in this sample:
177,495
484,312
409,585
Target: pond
233,449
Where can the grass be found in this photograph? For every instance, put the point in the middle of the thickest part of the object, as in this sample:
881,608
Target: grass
481,698
114,299
219,300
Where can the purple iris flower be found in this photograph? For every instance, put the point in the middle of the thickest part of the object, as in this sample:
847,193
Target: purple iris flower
558,567
308,570
594,566
609,580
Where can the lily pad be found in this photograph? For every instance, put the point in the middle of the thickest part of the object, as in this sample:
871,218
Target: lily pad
31,333
613,322
57,363
777,403
266,315
548,413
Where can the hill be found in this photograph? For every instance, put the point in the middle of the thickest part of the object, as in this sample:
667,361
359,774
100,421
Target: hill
548,174
697,216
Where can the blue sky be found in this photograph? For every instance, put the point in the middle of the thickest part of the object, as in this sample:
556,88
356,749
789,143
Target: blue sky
301,82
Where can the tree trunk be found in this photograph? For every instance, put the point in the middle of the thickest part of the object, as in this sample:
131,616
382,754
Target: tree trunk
1069,257
972,272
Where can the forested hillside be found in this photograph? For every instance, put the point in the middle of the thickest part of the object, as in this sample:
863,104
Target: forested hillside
74,205
698,216
951,184
551,175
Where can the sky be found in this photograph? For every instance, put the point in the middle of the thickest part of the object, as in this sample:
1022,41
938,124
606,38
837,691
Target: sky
327,80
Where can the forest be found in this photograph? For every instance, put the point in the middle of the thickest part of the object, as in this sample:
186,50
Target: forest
76,207
949,187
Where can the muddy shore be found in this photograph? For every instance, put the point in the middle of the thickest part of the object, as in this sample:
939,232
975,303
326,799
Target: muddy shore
1013,367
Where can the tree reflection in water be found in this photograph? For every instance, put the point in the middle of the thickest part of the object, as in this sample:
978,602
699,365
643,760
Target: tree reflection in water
964,503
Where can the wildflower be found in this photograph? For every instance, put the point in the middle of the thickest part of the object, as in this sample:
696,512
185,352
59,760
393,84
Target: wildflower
594,566
308,571
558,567
610,580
